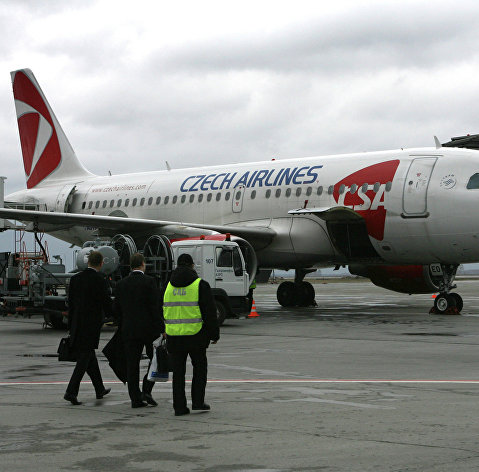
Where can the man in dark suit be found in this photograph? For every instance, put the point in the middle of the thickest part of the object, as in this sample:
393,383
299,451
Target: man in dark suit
189,313
136,307
88,302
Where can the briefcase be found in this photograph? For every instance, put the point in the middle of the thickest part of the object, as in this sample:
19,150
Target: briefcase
65,351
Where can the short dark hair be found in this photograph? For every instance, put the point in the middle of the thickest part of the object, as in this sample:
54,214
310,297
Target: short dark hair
185,260
95,258
136,260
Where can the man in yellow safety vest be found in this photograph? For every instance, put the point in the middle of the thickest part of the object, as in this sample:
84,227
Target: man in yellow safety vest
189,312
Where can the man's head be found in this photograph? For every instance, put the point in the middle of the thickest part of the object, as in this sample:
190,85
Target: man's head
95,260
137,262
185,260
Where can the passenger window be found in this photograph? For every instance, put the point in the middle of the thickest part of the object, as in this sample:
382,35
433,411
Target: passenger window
298,191
192,198
174,199
473,182
330,189
218,196
208,198
150,200
165,201
320,190
104,203
237,263
389,186
158,200
288,192
142,202
342,188
127,202
200,198
183,198
253,194
376,187
112,203
133,203
118,204
97,204
309,191
278,193
227,196
364,188
224,257
268,193
90,205
353,189
83,205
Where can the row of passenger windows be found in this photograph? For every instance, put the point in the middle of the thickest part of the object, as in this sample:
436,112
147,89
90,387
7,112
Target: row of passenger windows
277,193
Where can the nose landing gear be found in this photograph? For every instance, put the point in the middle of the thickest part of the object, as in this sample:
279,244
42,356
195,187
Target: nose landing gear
447,303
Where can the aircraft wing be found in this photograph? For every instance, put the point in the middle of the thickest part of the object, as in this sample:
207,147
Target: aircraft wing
43,221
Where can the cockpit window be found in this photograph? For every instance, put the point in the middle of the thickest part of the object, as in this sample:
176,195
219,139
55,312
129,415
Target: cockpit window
473,182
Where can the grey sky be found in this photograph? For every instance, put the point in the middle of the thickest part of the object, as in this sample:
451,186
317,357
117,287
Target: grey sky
135,84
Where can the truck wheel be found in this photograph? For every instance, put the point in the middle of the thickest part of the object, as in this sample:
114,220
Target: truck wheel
55,321
220,312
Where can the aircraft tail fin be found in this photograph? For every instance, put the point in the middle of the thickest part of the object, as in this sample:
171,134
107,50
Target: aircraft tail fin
47,153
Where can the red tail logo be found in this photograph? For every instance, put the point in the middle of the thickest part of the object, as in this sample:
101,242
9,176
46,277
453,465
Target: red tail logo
40,146
364,190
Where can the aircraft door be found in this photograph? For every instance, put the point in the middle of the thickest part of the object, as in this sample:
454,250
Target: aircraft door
64,198
237,200
416,185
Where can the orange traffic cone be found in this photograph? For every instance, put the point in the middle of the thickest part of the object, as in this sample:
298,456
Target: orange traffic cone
254,313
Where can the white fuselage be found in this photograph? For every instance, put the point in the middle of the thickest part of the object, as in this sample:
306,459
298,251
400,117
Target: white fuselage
416,203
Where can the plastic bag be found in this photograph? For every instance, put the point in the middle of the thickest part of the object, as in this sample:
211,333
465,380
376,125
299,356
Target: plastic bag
156,371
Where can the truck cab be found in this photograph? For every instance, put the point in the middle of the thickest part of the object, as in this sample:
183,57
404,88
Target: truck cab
222,265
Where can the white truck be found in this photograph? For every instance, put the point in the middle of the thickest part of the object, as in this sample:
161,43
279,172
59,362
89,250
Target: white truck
222,265
30,285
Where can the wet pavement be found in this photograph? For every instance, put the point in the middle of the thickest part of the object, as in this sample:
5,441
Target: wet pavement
366,381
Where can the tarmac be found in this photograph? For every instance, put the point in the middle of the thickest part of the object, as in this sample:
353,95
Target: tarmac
366,381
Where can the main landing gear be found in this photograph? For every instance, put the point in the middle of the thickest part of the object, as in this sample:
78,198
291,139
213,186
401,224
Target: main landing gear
297,293
446,302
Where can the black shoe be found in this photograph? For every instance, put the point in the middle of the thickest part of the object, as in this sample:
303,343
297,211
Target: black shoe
71,398
139,404
182,412
100,395
146,397
203,407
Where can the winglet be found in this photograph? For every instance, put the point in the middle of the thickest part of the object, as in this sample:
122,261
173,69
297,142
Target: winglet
438,144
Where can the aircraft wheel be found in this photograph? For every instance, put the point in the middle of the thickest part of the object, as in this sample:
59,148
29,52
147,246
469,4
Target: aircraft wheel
220,312
305,294
287,294
458,301
444,301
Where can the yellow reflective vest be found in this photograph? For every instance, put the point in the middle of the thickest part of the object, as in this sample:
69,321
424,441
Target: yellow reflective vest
181,309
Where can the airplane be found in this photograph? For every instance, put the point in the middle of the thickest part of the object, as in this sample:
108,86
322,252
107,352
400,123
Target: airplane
405,218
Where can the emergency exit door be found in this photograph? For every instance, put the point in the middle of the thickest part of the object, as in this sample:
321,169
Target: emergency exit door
416,185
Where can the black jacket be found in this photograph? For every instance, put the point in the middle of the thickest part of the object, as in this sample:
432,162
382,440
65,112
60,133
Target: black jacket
182,277
137,308
88,301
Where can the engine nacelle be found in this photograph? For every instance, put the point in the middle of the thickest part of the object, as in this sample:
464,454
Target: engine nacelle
405,279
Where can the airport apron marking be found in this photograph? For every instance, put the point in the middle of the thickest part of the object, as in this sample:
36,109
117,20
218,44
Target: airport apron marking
275,381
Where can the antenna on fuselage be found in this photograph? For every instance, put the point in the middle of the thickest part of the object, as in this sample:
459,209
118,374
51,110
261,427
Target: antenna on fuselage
167,165
438,144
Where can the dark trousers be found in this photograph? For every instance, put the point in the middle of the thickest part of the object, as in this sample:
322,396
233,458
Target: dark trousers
198,384
86,362
133,350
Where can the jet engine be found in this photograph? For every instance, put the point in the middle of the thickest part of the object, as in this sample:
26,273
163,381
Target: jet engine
405,279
